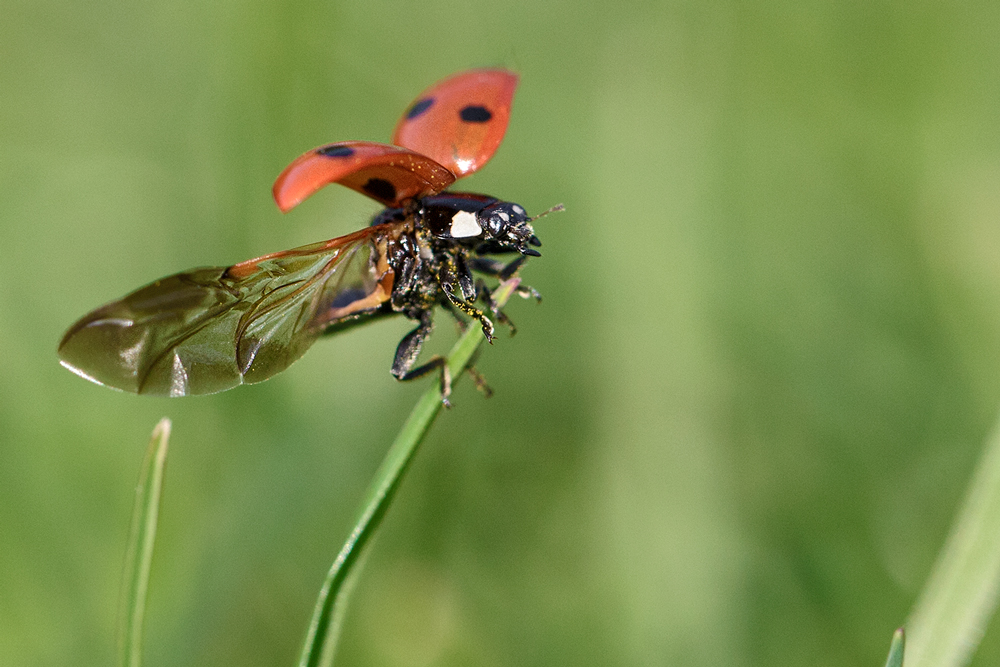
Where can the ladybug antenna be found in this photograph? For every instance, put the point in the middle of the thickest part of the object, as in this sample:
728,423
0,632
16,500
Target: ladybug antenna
554,209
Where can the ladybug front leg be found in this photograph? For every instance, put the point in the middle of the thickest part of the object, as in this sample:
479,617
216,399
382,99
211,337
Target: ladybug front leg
503,271
459,290
474,313
496,267
484,294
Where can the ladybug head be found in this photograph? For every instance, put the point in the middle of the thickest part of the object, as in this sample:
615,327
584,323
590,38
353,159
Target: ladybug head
508,225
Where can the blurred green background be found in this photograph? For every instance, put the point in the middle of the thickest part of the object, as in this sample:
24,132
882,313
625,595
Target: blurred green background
734,432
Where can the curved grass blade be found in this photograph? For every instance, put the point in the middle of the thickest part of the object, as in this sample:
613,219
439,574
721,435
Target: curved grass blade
139,557
330,607
960,596
895,658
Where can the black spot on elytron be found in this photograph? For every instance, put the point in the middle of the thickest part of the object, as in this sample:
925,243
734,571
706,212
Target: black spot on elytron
336,151
380,189
475,114
419,107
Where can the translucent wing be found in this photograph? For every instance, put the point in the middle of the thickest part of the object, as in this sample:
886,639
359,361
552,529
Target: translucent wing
211,329
460,122
388,174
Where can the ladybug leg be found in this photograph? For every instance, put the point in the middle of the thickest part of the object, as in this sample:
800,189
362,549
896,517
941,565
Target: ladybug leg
523,291
408,271
453,300
494,267
465,279
454,274
484,294
528,292
511,268
406,357
480,382
461,325
456,279
489,266
474,313
478,378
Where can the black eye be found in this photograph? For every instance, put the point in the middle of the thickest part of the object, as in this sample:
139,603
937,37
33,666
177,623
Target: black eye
495,225
493,220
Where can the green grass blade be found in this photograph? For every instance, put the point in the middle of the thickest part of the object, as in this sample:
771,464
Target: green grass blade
961,594
330,607
895,658
142,536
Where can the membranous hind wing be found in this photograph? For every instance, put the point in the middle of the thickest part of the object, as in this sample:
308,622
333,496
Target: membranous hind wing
208,330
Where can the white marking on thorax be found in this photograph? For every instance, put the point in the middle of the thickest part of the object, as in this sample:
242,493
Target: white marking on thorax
464,225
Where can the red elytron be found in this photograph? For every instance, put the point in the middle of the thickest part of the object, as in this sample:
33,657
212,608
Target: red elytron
211,329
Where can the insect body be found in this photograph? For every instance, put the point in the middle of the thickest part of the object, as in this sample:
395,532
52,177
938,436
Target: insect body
210,329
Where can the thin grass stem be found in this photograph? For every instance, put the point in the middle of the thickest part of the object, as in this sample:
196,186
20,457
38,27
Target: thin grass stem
328,615
960,596
142,537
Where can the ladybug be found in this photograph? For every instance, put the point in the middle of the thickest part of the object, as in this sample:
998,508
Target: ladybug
211,329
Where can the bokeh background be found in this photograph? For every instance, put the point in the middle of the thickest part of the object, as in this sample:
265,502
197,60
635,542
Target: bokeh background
734,432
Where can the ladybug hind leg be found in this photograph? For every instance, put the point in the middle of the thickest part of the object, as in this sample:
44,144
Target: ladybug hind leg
409,349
